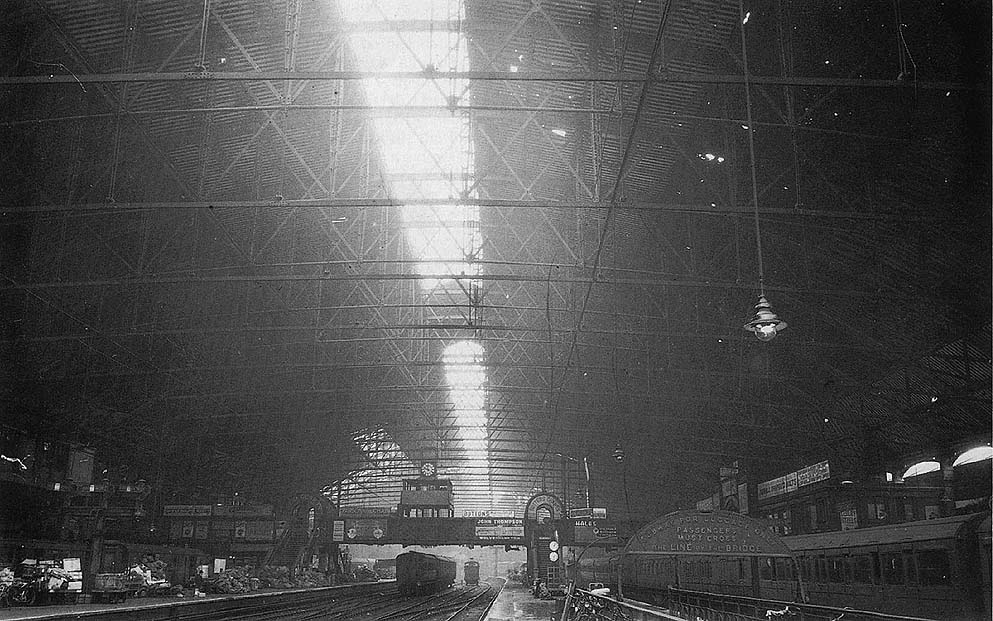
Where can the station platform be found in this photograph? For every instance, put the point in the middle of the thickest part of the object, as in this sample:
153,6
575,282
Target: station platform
516,603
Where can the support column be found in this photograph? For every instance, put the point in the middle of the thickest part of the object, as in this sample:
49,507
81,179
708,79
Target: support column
947,480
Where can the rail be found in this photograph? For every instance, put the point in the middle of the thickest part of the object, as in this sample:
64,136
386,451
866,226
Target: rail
363,602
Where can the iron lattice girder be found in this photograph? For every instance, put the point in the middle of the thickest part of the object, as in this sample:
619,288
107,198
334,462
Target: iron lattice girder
507,76
889,213
648,281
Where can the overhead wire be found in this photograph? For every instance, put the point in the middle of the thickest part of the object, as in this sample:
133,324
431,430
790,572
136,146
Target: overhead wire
611,204
751,146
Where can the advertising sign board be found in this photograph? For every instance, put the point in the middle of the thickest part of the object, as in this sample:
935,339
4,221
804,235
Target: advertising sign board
365,529
791,482
186,510
499,528
711,533
363,511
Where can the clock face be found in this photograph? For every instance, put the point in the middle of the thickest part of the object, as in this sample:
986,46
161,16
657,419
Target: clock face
428,469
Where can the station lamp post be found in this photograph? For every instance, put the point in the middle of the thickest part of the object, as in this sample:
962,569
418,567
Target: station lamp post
586,470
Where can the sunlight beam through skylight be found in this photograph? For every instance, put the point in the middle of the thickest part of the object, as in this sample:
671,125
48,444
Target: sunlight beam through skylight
430,157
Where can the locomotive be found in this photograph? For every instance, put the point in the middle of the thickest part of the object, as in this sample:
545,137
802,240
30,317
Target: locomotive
598,571
419,572
471,569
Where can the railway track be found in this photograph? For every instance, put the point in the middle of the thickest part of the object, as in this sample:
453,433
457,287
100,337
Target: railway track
369,604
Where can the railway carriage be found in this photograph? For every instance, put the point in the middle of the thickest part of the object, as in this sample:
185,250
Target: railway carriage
599,570
931,568
471,572
420,572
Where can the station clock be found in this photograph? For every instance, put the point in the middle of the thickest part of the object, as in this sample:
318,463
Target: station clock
428,469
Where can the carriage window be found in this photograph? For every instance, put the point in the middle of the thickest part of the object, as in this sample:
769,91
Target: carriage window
836,570
933,567
862,569
781,572
766,571
892,567
911,562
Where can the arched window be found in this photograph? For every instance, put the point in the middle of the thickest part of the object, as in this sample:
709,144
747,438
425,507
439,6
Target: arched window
922,467
973,455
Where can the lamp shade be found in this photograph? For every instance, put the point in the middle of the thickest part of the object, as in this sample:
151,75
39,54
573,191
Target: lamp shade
765,325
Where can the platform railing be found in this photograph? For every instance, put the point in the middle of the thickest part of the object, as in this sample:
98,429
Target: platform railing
582,605
718,607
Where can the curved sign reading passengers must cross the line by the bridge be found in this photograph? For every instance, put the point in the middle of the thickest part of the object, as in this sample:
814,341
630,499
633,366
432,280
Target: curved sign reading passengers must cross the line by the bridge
707,533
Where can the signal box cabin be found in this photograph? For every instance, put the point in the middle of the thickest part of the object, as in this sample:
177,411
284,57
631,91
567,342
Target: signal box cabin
426,497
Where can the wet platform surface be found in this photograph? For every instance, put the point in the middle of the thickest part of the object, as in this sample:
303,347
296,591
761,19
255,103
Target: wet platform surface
516,603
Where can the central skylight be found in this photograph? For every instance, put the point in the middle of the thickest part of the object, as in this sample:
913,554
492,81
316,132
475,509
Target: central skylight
430,157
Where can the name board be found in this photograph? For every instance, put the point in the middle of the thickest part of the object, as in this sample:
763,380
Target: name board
499,528
363,511
706,533
588,531
794,480
186,510
475,514
588,512
849,519
242,511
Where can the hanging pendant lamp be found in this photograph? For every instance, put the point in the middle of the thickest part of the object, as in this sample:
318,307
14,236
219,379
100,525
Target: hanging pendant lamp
766,324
